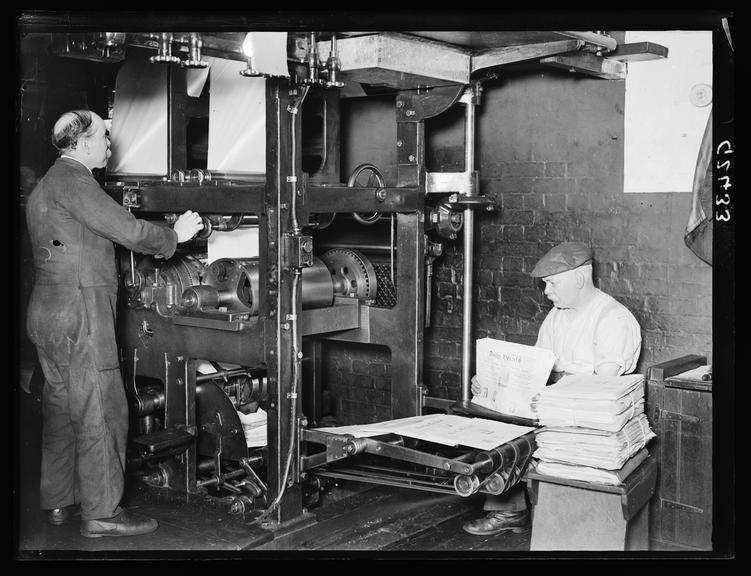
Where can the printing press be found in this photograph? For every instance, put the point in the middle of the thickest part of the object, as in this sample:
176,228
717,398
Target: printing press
293,253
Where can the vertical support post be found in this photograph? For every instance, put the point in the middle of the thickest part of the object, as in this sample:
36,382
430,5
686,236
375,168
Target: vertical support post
468,99
312,379
180,412
407,355
407,340
282,447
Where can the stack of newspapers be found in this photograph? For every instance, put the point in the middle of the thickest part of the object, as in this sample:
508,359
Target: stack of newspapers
595,428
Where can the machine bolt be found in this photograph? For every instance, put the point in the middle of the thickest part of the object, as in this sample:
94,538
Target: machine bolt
179,382
399,103
410,112
411,157
399,143
447,465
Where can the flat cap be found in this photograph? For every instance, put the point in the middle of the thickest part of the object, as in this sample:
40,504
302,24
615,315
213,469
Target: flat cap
561,258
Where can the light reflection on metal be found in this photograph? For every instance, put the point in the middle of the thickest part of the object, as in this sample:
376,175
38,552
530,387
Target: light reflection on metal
333,66
194,48
165,50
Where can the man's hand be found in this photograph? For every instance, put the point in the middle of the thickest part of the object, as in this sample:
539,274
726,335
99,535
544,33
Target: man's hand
187,226
475,386
533,403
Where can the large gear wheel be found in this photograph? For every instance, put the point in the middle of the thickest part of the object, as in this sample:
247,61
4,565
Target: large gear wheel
352,273
184,272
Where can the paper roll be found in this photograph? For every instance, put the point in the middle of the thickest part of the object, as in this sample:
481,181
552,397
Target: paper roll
237,119
240,243
269,52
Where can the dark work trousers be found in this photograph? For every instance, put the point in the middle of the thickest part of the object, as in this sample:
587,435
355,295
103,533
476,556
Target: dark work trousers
84,408
512,501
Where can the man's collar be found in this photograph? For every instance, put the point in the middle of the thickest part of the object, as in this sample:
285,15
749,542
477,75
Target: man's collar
77,160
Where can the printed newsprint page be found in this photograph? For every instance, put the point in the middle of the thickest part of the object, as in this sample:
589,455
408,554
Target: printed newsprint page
510,375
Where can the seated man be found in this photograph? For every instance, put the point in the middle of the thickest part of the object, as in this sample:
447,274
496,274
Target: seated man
590,333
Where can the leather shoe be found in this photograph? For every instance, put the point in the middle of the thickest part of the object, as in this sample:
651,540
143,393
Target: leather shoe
124,524
60,516
497,522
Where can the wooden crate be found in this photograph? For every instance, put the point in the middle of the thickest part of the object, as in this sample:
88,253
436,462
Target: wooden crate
577,515
680,413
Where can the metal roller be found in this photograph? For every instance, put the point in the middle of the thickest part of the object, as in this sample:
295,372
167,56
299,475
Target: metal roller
232,283
236,282
466,485
514,453
317,285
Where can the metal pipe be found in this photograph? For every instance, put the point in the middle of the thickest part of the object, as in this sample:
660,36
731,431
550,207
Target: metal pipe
224,374
469,230
392,250
365,247
221,478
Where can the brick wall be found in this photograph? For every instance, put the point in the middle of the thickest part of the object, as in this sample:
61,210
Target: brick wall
550,151
357,379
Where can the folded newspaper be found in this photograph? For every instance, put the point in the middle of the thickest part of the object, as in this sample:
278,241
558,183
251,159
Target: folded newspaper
510,375
590,474
590,447
592,401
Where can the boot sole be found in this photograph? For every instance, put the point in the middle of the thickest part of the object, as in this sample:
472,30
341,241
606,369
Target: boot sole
515,530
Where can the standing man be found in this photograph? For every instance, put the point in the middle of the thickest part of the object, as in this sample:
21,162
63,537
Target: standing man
73,225
590,333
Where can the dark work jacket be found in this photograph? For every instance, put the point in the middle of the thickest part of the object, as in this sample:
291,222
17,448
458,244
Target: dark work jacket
72,225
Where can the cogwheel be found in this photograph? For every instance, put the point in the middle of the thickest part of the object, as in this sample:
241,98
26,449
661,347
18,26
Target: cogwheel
184,272
352,273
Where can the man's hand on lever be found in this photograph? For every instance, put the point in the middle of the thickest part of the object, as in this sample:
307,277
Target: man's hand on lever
187,226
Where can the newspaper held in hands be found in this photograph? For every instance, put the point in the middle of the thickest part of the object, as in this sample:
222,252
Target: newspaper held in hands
510,375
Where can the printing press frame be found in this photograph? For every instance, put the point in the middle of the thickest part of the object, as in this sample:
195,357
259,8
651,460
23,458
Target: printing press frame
162,339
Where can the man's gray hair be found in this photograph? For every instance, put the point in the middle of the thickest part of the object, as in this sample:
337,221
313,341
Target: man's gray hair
70,127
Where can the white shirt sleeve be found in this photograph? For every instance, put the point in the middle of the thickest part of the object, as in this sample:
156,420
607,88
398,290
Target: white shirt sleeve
617,339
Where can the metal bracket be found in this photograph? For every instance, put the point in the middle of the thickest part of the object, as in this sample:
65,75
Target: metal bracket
665,503
466,183
131,199
298,251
